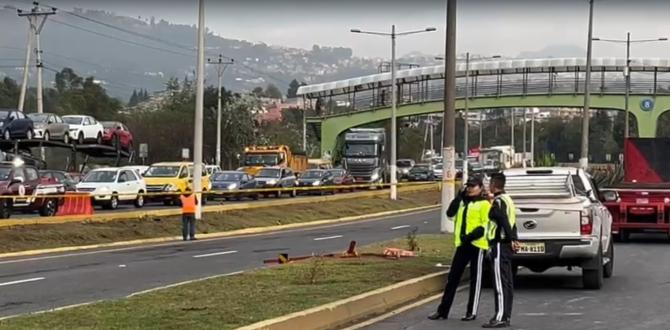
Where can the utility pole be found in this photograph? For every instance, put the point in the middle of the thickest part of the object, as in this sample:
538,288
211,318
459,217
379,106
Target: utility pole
532,138
199,102
221,66
449,124
466,126
36,19
584,158
523,158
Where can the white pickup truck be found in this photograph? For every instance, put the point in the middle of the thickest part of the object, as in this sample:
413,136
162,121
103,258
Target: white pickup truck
561,222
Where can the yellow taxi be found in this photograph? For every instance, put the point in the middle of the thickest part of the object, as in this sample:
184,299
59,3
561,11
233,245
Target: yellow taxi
170,178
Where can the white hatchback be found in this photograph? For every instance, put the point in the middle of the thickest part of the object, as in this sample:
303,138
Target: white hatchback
84,128
113,186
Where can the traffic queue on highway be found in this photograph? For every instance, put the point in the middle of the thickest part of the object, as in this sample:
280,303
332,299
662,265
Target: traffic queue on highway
25,188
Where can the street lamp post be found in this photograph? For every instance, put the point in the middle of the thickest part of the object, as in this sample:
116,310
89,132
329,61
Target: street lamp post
627,41
584,156
394,96
199,102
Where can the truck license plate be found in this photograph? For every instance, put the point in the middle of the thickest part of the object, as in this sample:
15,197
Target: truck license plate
531,248
642,201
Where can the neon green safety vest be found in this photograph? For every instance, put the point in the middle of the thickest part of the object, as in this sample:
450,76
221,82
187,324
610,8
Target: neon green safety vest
478,216
511,215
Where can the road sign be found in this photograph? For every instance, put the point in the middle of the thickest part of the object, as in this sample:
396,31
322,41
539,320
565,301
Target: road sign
144,150
185,153
647,105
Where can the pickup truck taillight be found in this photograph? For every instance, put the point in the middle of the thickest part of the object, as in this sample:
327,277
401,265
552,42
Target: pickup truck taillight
586,225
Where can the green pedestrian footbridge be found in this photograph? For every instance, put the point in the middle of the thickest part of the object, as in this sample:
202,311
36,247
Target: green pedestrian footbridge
549,83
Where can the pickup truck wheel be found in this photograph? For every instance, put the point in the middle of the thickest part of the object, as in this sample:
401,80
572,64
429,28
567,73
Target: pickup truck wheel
139,201
592,273
47,136
294,193
80,138
66,138
278,195
49,208
608,269
98,139
7,135
5,208
29,134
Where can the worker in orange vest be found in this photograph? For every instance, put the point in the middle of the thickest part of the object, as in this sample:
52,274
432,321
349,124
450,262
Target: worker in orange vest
188,206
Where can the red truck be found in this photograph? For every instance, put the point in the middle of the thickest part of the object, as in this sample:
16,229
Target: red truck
641,203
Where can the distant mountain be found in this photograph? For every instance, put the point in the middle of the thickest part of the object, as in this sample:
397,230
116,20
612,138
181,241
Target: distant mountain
555,51
131,53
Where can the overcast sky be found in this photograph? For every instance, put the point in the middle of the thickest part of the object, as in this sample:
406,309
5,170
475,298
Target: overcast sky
486,27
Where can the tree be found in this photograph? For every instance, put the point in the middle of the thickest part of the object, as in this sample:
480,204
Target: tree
272,92
293,89
67,79
133,99
258,92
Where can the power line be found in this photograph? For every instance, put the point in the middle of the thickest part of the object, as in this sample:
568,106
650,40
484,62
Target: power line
121,40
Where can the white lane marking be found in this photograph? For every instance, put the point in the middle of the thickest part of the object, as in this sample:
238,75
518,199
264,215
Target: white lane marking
182,283
22,281
122,266
400,227
534,314
215,254
51,310
570,314
327,237
577,299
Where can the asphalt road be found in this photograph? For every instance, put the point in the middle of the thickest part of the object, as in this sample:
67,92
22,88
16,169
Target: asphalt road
46,282
636,297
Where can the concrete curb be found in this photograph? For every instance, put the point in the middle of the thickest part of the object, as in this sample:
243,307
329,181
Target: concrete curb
105,217
349,310
239,232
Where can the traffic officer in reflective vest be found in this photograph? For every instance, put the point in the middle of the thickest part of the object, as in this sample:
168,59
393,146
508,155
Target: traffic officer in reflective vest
471,211
503,241
188,208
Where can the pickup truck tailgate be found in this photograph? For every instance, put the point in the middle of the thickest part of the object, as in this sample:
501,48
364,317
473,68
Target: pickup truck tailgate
549,219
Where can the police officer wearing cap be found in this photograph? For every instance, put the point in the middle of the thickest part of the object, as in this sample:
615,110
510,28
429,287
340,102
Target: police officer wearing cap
503,241
471,212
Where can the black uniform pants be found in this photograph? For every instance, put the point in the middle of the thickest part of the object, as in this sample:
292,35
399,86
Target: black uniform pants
503,279
465,254
188,226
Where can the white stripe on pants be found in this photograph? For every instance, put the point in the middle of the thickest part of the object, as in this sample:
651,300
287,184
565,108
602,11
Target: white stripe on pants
498,283
478,285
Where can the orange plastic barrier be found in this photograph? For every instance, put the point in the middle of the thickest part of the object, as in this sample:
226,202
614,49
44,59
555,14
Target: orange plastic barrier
76,204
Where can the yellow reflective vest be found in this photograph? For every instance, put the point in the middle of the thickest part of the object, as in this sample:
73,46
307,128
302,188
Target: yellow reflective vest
477,216
511,215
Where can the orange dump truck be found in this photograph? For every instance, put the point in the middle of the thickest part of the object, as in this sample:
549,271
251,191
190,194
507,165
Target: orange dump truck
257,157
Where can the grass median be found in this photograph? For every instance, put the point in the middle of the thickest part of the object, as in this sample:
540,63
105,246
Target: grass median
234,301
43,236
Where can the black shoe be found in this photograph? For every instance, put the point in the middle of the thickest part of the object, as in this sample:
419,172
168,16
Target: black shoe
193,239
186,238
437,316
468,318
496,324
